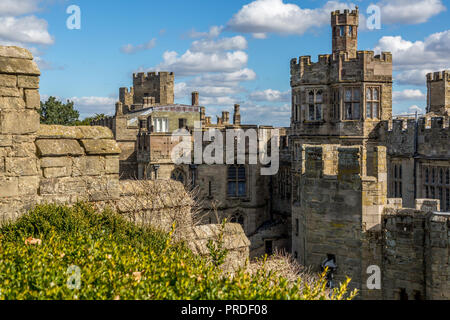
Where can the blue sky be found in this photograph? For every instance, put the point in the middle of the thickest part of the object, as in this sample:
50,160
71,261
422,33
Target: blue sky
230,51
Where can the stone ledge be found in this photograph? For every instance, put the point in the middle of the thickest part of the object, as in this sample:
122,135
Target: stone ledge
79,132
15,52
100,147
18,66
54,147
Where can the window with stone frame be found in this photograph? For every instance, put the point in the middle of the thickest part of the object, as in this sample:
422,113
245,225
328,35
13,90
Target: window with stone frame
397,183
237,181
161,124
352,103
296,190
335,103
297,108
315,104
372,103
436,184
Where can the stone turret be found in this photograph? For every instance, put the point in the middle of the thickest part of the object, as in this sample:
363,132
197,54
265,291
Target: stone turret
438,100
345,31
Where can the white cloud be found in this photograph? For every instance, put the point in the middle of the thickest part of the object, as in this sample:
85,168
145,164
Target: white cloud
259,35
93,101
216,88
218,101
229,79
28,29
130,49
266,114
271,95
413,60
409,11
225,44
274,16
415,108
88,106
18,7
192,63
213,32
408,94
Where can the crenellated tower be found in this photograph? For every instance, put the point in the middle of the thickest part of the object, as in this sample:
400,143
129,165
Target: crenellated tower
438,100
343,96
159,86
345,32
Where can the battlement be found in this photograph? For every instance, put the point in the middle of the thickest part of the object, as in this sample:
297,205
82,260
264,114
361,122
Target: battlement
343,162
423,124
439,76
346,12
151,75
431,139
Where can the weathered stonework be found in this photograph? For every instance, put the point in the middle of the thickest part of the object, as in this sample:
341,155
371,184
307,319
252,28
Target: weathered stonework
350,159
58,164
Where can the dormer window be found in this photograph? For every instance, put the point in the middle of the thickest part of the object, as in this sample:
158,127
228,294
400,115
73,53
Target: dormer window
315,101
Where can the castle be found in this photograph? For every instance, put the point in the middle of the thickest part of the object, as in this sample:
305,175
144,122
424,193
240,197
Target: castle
357,189
363,182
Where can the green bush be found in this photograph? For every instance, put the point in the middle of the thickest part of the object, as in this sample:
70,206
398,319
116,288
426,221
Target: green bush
57,252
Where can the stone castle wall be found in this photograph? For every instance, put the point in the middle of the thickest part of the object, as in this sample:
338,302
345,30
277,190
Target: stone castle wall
416,252
58,164
19,123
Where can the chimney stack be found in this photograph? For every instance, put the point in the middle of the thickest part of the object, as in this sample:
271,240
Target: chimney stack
225,117
195,99
237,115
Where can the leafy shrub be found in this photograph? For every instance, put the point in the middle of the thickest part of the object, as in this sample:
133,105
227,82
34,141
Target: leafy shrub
119,260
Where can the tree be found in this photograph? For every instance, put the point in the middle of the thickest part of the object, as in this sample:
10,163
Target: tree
54,111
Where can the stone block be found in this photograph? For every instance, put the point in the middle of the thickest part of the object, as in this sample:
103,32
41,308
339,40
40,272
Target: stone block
7,80
78,166
29,185
6,140
78,132
57,172
112,164
15,52
9,187
18,66
21,166
32,99
56,162
100,147
58,147
11,103
19,122
9,92
27,82
95,166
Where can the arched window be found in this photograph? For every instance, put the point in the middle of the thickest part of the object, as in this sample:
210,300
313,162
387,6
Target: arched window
178,175
238,218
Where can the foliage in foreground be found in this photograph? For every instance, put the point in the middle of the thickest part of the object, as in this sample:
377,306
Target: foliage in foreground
57,252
